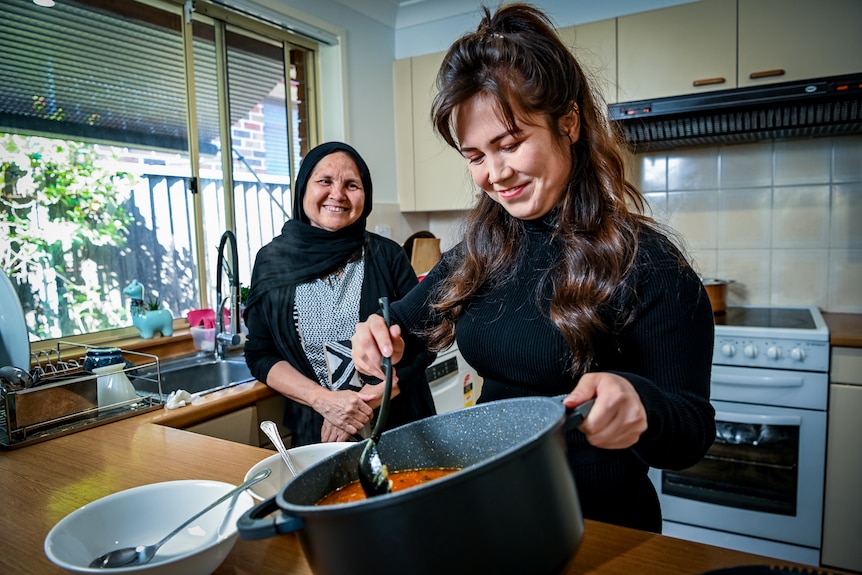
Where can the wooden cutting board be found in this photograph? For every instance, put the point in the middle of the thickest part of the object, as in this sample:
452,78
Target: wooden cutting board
426,253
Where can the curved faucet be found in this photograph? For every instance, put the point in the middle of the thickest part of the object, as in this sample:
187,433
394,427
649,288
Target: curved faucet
227,337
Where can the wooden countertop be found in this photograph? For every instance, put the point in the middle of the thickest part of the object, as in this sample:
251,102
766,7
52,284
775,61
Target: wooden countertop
44,482
845,329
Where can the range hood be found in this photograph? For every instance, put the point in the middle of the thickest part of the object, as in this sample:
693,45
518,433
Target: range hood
811,108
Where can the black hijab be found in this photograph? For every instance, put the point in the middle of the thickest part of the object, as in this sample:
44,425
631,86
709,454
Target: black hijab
302,252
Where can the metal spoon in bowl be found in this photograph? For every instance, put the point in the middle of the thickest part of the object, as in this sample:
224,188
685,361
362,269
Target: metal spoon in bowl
271,431
373,473
128,556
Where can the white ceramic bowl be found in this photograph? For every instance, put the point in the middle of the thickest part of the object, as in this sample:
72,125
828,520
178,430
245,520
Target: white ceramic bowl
302,457
144,515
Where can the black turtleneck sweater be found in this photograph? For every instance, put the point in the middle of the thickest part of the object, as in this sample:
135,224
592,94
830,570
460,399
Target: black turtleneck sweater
665,352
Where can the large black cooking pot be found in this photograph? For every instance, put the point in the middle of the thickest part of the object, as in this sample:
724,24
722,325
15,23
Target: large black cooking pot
512,508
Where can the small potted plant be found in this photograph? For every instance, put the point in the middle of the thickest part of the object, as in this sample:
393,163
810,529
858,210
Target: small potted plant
148,317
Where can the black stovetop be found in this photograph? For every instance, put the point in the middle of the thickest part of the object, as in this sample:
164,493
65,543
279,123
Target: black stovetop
767,317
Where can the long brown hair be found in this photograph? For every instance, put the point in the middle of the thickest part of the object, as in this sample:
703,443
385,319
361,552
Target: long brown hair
516,57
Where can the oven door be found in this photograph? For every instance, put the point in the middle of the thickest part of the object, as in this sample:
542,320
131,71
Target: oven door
763,476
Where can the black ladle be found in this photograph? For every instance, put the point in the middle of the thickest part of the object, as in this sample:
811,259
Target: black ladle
373,473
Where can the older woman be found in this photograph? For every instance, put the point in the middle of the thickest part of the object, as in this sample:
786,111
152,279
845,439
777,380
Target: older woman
561,285
310,287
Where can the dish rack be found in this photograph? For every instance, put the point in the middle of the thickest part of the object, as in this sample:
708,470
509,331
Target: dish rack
64,398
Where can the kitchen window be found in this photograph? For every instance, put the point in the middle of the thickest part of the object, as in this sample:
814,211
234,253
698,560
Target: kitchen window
101,184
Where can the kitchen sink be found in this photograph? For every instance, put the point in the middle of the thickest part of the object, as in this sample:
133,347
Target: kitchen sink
200,373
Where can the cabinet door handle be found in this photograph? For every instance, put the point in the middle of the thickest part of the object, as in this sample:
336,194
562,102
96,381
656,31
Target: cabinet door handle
766,74
708,81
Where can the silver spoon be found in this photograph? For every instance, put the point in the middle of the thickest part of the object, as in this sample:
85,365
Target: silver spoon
271,431
141,554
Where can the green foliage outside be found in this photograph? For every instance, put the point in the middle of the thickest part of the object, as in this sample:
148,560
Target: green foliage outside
62,222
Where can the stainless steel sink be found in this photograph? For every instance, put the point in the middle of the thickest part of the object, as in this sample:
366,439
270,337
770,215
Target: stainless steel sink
200,373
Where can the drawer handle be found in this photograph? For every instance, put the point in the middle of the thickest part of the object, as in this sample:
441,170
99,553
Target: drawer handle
708,81
766,74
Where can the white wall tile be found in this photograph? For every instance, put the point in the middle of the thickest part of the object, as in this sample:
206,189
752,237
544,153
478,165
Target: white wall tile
800,277
802,161
744,218
448,226
845,279
846,221
745,166
750,272
652,173
800,217
704,262
401,224
695,169
692,214
847,159
657,206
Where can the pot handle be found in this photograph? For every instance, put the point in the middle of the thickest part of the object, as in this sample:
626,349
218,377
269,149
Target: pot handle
576,415
254,523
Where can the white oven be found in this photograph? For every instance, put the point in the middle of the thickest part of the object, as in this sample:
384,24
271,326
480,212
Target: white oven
454,384
760,487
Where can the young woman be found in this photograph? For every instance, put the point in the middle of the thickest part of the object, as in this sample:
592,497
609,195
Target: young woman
309,288
561,285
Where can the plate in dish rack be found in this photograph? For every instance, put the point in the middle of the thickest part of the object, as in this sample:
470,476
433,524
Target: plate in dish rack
14,341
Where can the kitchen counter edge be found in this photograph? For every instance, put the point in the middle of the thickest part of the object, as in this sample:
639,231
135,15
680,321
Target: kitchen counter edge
845,329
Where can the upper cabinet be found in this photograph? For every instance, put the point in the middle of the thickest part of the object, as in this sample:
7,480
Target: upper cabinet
677,50
720,44
700,46
785,40
595,47
431,175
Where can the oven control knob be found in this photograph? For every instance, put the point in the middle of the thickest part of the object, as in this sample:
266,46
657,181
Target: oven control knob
728,350
774,352
797,353
750,351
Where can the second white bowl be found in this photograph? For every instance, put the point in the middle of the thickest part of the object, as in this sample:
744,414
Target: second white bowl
302,457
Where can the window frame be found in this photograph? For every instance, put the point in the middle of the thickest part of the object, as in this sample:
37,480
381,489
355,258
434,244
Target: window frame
222,19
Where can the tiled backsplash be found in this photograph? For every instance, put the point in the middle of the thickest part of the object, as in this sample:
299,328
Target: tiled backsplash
782,219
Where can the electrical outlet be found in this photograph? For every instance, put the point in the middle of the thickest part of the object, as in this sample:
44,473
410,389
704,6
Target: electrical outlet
384,231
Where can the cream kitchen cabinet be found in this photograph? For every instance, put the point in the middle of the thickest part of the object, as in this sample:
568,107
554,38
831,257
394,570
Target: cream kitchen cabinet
677,50
842,509
784,40
431,176
720,44
595,47
239,426
243,425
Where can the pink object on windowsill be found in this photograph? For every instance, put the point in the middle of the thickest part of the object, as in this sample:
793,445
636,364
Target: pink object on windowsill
201,318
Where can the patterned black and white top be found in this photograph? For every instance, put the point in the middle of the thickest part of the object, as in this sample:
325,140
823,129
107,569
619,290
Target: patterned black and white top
326,313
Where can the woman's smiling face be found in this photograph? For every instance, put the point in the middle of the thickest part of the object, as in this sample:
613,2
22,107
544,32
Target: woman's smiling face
526,171
334,196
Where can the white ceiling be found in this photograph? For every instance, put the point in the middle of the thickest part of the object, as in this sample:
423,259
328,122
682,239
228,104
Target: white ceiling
405,13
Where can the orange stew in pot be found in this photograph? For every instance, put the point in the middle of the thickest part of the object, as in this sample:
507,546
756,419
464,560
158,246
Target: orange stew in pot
401,480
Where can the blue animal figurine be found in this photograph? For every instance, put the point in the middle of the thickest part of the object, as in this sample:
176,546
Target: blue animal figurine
148,321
